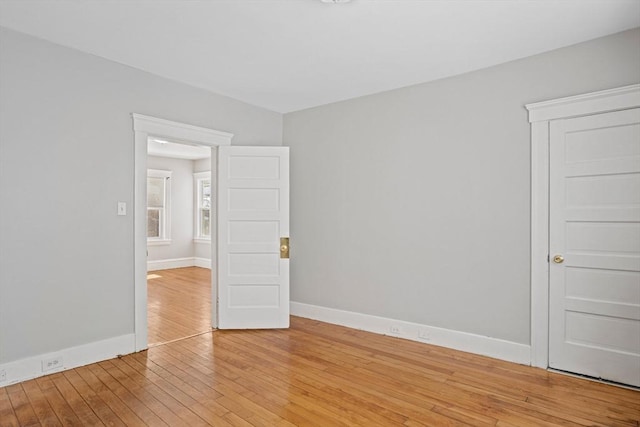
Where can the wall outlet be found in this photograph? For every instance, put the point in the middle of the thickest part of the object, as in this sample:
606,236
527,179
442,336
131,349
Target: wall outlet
424,335
3,375
51,364
395,329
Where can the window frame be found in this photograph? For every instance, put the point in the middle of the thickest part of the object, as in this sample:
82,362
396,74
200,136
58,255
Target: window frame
198,179
164,237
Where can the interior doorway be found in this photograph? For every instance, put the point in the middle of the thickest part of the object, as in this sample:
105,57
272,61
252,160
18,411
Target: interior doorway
179,233
146,127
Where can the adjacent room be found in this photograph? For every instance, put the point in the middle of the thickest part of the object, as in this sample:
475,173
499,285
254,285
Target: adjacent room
320,212
179,206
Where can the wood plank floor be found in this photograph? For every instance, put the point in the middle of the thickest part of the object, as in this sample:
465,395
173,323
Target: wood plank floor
178,303
313,374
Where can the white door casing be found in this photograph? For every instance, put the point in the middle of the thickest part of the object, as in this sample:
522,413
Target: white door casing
145,126
594,236
541,115
253,215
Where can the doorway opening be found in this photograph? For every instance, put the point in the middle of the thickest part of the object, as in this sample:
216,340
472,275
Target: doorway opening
186,137
179,235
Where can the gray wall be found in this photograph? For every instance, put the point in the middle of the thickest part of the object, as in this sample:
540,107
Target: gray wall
66,158
414,204
182,216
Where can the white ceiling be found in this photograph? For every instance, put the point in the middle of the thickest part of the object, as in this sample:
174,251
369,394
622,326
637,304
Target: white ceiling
177,150
287,55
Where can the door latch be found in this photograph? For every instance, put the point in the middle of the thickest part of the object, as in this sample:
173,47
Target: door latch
284,248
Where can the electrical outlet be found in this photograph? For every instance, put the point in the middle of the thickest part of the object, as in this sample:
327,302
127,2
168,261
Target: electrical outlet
3,375
51,364
395,329
424,335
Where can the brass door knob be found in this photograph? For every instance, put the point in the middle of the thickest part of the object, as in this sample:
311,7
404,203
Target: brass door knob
558,259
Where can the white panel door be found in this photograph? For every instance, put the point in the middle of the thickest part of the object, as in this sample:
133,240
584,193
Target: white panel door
594,224
253,214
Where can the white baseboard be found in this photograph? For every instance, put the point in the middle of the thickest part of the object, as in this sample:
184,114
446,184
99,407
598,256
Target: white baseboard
69,358
463,341
165,264
202,262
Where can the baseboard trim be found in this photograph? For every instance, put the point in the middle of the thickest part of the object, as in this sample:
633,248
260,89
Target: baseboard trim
165,264
73,357
202,262
463,341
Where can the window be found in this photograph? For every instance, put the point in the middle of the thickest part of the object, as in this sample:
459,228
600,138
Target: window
203,205
158,206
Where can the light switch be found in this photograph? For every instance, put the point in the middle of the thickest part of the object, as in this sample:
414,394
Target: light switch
122,208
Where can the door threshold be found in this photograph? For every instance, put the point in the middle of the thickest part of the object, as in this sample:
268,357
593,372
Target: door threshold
179,339
594,379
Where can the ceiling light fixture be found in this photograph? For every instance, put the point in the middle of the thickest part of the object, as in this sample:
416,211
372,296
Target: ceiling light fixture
335,1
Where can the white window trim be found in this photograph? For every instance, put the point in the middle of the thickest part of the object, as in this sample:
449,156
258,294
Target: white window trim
158,242
165,238
197,177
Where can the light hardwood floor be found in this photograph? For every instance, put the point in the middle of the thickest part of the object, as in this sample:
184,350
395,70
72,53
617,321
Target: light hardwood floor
313,374
178,303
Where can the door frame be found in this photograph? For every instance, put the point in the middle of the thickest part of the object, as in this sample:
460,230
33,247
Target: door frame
145,126
540,116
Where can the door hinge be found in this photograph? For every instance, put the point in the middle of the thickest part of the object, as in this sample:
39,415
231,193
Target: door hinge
548,257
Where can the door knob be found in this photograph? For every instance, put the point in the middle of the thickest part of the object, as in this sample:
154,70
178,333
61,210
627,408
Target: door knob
558,259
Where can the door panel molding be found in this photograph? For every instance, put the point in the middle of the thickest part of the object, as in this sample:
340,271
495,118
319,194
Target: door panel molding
253,217
595,336
541,114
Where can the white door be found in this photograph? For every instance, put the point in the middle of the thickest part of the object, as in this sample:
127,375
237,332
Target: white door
253,217
594,224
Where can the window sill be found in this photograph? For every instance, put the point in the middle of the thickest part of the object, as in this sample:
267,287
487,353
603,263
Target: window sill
202,240
159,242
